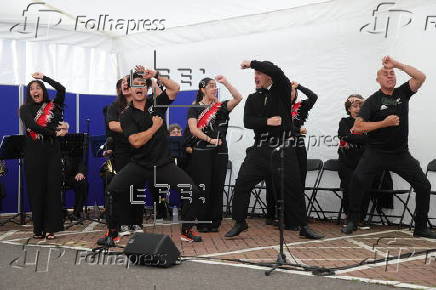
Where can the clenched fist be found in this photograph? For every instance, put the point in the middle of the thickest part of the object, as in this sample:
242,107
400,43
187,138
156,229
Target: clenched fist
274,121
392,120
157,122
38,75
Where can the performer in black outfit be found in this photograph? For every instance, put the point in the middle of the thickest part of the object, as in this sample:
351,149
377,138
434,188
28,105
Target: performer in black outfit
351,148
142,123
130,215
42,156
209,160
268,112
385,116
75,171
299,113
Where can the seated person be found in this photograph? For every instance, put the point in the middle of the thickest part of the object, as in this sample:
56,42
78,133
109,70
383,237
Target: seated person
75,174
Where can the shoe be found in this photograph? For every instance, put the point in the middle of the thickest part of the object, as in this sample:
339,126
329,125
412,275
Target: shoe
291,228
424,233
124,231
307,232
190,236
39,235
136,229
238,227
203,229
363,226
50,236
349,228
109,239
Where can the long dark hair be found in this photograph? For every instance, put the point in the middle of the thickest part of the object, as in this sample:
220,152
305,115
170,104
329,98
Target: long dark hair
202,84
121,99
29,99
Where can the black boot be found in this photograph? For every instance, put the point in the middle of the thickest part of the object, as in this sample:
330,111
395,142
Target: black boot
349,228
307,232
237,229
425,233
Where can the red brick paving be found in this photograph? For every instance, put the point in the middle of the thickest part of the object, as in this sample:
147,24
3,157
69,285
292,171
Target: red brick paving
339,252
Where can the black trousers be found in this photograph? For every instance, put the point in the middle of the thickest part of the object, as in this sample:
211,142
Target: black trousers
373,162
257,167
170,175
129,213
345,173
208,170
80,188
42,163
271,202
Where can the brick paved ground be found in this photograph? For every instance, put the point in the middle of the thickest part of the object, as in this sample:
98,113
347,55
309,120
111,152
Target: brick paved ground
260,244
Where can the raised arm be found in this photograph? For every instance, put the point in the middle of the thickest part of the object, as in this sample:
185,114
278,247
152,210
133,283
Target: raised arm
270,69
311,96
172,88
237,97
60,89
417,77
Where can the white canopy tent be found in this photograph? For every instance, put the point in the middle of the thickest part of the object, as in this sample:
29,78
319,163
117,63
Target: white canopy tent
333,47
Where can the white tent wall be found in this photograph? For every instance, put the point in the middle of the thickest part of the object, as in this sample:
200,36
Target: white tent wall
79,69
318,45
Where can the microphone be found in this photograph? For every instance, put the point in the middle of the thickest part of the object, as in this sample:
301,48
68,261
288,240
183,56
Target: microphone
106,146
109,143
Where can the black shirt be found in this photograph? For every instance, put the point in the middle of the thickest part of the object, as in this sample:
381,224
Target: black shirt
215,126
120,144
352,146
155,151
265,103
377,107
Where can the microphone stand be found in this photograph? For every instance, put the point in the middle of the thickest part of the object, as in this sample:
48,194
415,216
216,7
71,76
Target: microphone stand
281,258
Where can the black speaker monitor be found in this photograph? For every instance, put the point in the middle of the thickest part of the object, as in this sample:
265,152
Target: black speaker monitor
152,250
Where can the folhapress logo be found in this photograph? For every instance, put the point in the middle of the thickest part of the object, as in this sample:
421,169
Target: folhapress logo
39,17
385,16
126,26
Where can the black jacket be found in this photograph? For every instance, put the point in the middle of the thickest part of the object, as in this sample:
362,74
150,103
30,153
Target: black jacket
265,103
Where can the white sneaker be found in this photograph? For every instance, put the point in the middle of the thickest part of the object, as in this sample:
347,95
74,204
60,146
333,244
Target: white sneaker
124,231
137,229
364,227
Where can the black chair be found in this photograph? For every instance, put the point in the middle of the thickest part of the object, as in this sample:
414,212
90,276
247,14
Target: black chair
228,189
333,166
258,203
431,167
397,193
315,166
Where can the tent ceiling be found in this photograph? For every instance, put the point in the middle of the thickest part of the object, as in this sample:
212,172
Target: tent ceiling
175,13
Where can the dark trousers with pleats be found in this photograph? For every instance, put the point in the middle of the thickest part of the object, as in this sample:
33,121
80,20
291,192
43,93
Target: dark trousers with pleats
42,164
